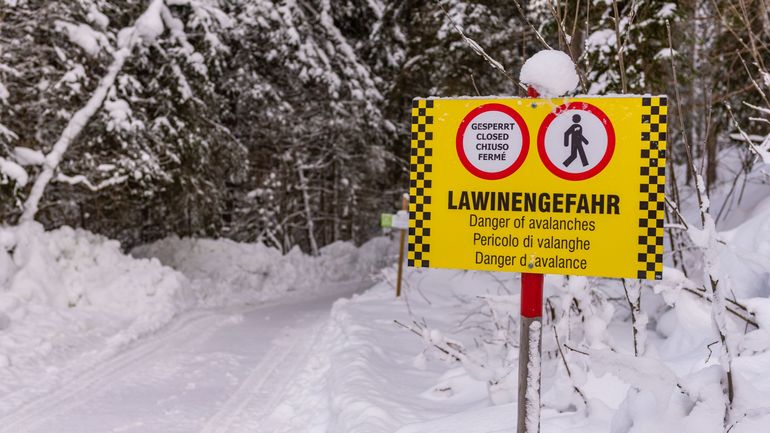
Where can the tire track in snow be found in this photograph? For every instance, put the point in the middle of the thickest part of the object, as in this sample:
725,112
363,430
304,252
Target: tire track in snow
78,389
273,374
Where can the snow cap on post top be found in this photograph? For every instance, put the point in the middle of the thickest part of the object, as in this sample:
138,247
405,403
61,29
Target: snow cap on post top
550,72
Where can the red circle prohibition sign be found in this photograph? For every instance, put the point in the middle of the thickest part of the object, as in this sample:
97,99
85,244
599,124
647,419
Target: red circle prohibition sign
524,141
581,106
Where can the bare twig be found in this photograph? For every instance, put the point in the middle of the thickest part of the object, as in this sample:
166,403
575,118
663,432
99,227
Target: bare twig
479,50
563,36
418,333
474,85
538,35
576,350
680,115
578,391
618,41
675,209
635,307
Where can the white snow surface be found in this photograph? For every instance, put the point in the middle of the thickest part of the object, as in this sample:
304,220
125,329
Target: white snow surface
550,72
150,24
70,299
4,94
228,272
97,18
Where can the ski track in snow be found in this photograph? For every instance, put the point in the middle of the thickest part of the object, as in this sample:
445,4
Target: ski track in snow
76,391
211,371
271,376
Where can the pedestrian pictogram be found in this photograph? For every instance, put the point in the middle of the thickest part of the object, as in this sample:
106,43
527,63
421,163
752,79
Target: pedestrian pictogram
492,141
576,141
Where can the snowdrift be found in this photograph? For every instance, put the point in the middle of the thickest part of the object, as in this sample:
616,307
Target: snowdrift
224,272
65,291
69,297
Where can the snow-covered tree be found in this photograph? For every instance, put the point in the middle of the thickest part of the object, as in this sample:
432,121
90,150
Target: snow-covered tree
155,125
315,128
627,49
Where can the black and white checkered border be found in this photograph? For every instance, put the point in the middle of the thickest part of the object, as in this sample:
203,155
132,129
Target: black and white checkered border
420,173
652,188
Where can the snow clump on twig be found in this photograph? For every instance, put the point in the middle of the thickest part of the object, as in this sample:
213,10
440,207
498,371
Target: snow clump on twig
550,72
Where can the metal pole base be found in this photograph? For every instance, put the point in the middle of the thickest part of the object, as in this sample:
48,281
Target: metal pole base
529,406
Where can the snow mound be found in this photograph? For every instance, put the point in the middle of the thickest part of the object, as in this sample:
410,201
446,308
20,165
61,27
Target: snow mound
70,269
70,298
84,36
224,272
66,292
550,72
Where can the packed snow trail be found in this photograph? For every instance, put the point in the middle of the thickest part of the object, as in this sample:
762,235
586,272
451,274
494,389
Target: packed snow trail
210,372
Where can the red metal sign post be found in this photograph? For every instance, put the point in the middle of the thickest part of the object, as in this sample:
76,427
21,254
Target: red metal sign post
531,332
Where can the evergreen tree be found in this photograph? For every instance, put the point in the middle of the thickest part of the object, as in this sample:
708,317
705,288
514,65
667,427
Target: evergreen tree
641,26
315,129
156,129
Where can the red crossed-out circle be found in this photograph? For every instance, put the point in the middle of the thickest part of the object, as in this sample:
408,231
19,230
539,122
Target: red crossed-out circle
581,106
524,142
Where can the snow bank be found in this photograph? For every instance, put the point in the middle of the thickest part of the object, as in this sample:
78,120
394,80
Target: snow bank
68,290
70,298
550,72
747,248
68,268
223,271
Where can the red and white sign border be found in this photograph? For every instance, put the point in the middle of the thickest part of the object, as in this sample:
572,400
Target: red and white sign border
524,141
582,106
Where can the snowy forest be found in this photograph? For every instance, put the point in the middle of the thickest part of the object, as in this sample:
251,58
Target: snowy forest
287,122
177,176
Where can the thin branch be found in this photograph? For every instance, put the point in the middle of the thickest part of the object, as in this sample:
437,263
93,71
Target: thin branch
635,308
418,333
687,147
566,367
621,60
563,36
538,35
479,50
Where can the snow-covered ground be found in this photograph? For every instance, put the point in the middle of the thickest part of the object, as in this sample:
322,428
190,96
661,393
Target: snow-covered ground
221,370
372,375
202,335
92,339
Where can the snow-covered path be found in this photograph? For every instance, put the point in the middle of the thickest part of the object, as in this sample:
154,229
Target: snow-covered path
211,371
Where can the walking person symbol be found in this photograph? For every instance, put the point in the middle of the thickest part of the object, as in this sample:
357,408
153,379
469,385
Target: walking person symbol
573,136
576,129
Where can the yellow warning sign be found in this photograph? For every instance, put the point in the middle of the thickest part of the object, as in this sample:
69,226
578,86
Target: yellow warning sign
565,186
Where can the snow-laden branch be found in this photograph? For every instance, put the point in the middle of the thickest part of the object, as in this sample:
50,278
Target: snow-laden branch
479,50
762,150
82,180
13,171
146,28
